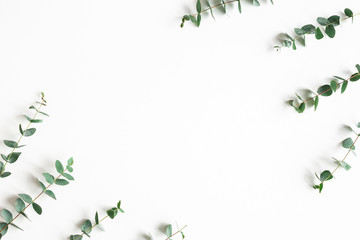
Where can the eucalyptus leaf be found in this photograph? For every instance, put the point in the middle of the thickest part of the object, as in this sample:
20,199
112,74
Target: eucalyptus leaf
6,215
325,90
344,86
59,167
19,205
25,197
325,176
37,208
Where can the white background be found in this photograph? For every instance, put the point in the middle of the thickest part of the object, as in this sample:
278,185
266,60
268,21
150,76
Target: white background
183,125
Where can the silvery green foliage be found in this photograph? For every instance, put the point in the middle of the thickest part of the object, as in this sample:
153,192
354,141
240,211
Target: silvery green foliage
87,226
14,155
205,6
170,233
326,175
299,104
24,201
327,27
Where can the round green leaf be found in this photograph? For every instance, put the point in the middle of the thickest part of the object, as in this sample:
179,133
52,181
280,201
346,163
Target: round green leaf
7,216
333,85
25,197
325,90
318,34
5,227
61,182
308,29
50,194
169,230
348,12
86,227
323,21
325,176
348,143
334,20
344,86
29,132
49,178
68,176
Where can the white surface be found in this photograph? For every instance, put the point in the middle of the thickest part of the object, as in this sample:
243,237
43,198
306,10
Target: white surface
187,125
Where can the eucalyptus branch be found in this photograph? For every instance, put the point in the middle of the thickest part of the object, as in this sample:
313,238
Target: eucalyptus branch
326,175
170,234
326,90
20,206
206,6
27,132
328,27
87,226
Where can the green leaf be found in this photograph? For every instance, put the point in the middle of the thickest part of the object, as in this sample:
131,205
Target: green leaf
358,125
70,169
210,8
169,230
348,12
49,178
37,208
301,108
193,19
50,194
343,164
297,95
45,114
348,143
14,157
330,31
318,34
61,182
323,21
198,20
287,43
68,176
76,237
59,167
112,212
5,174
16,226
334,20
19,205
358,67
182,235
344,86
41,184
12,144
96,218
5,228
33,120
294,45
29,132
299,31
198,6
316,102
333,85
325,90
355,77
25,197
86,227
3,156
21,130
309,29
1,167
340,78
70,162
224,5
326,176
7,216
119,205
239,6
256,3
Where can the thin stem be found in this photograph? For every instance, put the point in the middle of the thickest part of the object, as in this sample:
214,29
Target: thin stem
176,232
319,94
17,143
342,160
91,227
342,19
33,201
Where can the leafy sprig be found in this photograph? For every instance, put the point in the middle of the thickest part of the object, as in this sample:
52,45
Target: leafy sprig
169,232
87,226
21,207
326,90
205,6
327,26
326,175
14,155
